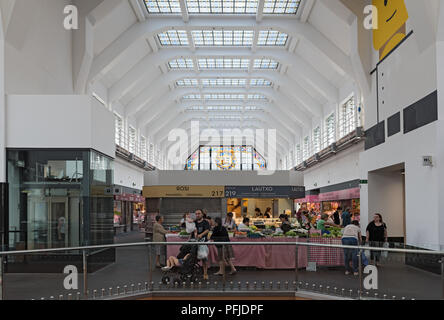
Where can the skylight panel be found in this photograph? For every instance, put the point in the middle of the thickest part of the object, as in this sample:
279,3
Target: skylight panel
269,38
260,83
224,108
187,83
224,82
223,63
195,108
256,97
173,38
222,6
265,63
163,6
281,6
192,97
224,96
180,64
240,38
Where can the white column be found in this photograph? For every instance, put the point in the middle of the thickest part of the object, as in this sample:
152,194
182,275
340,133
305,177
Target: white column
2,105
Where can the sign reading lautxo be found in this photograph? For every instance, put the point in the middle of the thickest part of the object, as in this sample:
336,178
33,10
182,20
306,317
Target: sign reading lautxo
183,192
290,192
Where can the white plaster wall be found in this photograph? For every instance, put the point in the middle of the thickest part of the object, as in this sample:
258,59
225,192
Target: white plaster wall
38,49
128,175
387,188
58,122
221,178
342,167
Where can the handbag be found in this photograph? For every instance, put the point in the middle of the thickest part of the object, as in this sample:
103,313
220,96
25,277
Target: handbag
202,252
367,252
384,254
190,227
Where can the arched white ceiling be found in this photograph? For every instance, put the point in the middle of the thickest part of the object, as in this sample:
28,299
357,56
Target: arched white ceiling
131,63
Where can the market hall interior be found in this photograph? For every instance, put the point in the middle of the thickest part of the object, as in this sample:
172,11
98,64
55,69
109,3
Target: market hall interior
115,111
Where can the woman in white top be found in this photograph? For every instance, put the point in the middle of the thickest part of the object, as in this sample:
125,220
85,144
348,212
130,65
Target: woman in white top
351,236
229,223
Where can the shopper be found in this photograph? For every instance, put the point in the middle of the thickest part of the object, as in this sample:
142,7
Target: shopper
336,217
229,223
376,234
220,234
346,217
268,213
182,221
201,234
322,223
285,225
245,224
351,237
159,233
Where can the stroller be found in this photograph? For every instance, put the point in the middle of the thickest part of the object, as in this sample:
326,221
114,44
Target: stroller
190,271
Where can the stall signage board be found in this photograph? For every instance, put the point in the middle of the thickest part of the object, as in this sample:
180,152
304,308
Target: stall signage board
129,197
291,192
183,192
340,195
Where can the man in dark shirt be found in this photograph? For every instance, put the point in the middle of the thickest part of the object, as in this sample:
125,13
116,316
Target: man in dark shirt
201,232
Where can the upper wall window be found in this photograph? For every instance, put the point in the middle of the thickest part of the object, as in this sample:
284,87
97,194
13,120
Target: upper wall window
143,148
132,140
306,149
316,140
118,123
330,130
347,117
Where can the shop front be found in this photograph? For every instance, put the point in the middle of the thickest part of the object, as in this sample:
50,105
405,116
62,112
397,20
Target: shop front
58,198
346,199
129,210
244,201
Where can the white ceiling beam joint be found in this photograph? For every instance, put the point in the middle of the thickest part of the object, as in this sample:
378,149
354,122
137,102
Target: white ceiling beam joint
260,10
139,9
184,10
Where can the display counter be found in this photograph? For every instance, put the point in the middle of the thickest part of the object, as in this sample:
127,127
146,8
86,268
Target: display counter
273,256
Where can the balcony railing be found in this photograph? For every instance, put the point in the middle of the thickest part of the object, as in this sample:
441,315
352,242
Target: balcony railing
292,266
345,142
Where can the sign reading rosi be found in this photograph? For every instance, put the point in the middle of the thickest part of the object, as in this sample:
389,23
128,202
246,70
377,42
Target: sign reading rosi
183,192
291,192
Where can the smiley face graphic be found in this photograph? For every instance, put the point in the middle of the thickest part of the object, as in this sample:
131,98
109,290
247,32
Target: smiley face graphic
392,15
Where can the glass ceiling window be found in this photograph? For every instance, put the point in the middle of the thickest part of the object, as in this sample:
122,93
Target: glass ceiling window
196,108
224,108
281,6
181,64
192,97
187,83
222,6
224,96
238,38
272,38
223,63
260,83
173,38
224,82
256,97
265,63
163,6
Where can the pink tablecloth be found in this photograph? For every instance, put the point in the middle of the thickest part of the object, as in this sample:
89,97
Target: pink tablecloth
260,256
324,256
274,256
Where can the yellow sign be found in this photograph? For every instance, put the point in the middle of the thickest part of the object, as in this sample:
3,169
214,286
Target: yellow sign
184,192
392,16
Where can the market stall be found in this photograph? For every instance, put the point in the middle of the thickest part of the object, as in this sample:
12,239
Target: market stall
273,256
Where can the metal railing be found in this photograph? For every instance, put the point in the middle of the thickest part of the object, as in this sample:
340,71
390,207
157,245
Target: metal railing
225,286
